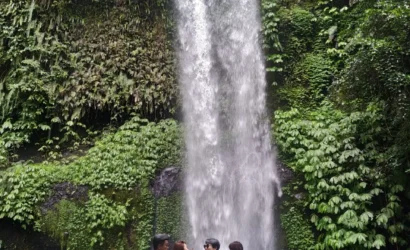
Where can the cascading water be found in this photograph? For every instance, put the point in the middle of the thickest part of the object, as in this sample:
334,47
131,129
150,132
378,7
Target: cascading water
231,171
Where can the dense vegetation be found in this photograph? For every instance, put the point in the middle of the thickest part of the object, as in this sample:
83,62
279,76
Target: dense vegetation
71,74
341,73
80,82
118,200
68,68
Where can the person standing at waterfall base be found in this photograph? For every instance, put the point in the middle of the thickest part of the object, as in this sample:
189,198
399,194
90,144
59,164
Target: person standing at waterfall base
212,244
160,242
236,245
180,245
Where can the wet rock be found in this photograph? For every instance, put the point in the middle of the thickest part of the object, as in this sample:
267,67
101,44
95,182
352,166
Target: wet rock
299,196
286,175
65,191
167,182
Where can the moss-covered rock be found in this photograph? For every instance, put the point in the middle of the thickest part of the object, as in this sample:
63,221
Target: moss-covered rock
297,229
171,217
103,200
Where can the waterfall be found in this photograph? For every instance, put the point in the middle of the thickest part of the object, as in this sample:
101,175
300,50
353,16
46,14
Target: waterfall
231,173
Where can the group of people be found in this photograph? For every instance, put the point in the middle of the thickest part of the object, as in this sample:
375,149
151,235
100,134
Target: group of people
161,242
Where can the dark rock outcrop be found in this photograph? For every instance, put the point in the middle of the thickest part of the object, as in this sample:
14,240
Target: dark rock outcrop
167,182
13,236
64,191
286,175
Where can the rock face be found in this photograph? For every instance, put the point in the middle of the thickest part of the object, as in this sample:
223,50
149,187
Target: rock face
167,182
13,236
65,191
286,175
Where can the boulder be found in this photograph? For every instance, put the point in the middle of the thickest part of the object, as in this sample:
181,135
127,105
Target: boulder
167,182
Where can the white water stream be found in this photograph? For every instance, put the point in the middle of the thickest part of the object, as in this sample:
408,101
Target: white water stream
231,173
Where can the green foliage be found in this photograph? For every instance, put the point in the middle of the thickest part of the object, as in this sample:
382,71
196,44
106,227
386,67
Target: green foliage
377,68
21,189
288,34
123,63
85,226
338,155
64,64
296,32
120,211
354,157
100,214
30,64
4,161
296,226
128,157
297,229
382,42
308,85
270,33
144,219
171,217
67,225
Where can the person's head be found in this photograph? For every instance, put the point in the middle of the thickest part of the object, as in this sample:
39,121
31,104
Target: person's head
212,244
180,245
236,245
160,242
